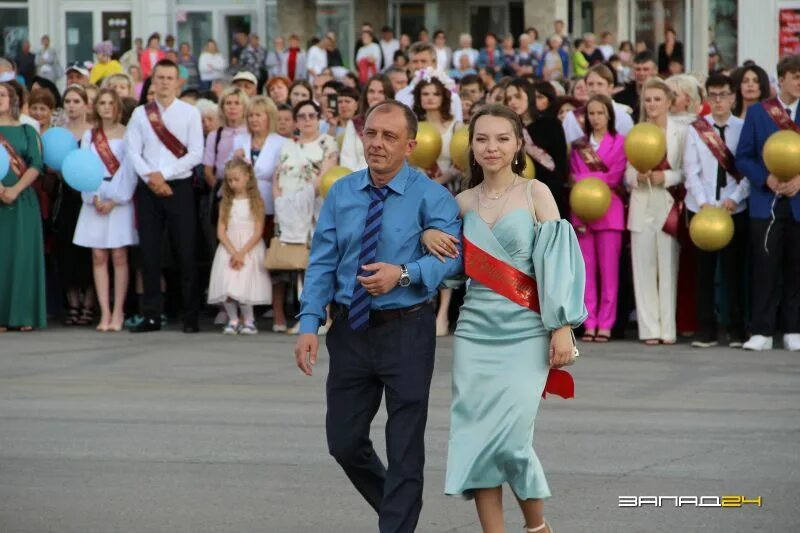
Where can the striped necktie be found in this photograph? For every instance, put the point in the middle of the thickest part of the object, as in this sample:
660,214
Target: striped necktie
361,302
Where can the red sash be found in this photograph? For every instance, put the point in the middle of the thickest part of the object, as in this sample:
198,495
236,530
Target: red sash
358,124
664,165
777,113
717,146
579,115
100,142
164,135
589,155
521,289
18,165
672,225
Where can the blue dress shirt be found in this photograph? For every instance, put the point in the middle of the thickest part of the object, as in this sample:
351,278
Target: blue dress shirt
414,203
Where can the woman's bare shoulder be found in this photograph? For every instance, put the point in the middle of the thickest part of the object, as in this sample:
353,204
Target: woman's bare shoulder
466,200
544,203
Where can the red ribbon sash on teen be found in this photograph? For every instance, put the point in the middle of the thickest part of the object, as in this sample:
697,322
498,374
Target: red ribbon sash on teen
778,114
717,146
521,289
164,135
672,225
588,155
18,165
100,142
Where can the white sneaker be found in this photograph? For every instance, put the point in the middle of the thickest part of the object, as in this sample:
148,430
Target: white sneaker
791,342
294,330
279,328
758,343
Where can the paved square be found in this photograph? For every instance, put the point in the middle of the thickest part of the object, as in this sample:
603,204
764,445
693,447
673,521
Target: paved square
173,433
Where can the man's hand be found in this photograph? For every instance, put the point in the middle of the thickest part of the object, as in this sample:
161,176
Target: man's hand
774,184
305,352
791,187
383,279
158,184
728,205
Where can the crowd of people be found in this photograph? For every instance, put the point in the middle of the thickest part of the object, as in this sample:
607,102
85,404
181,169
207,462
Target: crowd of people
214,166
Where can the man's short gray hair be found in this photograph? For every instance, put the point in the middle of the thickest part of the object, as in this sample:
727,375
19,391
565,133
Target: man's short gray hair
419,47
387,105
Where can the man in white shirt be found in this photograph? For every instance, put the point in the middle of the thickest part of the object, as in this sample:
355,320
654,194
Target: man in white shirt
389,45
317,58
712,180
606,45
164,141
423,56
599,80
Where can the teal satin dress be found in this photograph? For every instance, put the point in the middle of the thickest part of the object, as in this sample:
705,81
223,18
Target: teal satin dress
501,360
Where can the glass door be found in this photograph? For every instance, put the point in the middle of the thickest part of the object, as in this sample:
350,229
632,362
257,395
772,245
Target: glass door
488,18
117,29
195,28
79,32
233,24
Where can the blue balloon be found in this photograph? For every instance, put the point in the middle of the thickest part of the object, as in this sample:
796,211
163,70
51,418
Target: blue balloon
57,143
83,170
5,162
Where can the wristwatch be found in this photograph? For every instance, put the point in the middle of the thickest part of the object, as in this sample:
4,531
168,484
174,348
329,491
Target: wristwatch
405,279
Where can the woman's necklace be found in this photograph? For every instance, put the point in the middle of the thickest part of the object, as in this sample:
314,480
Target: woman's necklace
508,188
498,208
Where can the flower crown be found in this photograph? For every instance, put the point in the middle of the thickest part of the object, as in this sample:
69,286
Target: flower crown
428,74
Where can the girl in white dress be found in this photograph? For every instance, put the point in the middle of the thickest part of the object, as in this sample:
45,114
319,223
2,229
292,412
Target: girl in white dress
106,221
432,103
238,276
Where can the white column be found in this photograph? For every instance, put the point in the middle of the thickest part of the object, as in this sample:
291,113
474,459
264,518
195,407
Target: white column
697,52
758,33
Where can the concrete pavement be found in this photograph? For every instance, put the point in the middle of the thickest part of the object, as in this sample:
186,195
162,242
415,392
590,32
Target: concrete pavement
166,432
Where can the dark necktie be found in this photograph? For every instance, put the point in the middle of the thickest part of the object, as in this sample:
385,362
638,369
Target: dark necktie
362,300
789,112
722,174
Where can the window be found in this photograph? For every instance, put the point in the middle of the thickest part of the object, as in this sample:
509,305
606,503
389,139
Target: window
654,16
13,28
724,30
335,17
194,27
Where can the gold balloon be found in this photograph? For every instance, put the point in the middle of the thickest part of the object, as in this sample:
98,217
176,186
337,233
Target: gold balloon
782,154
330,177
340,140
429,146
529,172
711,229
459,148
590,199
645,146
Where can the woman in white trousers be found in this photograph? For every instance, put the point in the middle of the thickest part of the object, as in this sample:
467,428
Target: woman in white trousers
654,252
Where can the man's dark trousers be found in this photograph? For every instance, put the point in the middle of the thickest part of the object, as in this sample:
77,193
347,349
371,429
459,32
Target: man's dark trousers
396,356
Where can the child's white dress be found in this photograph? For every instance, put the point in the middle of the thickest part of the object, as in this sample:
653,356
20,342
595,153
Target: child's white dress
249,285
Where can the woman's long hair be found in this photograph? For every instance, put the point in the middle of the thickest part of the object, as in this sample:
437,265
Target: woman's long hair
763,86
609,105
388,92
444,109
500,111
528,88
256,203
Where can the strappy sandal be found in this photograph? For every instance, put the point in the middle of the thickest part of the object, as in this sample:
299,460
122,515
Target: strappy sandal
73,315
651,342
602,337
86,317
588,337
538,528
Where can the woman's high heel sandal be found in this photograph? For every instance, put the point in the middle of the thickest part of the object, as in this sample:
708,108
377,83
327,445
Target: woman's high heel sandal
539,528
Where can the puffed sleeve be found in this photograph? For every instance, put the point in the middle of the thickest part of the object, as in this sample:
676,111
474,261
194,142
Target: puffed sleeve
560,275
122,187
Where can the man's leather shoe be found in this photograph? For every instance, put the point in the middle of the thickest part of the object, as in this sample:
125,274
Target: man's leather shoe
148,324
191,327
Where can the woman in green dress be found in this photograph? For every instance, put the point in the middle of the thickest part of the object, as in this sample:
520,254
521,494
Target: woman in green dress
22,290
525,293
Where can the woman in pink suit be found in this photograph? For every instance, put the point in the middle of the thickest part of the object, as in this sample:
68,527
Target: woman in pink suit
600,154
151,55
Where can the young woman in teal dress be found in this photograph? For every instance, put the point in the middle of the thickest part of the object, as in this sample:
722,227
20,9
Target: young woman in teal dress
526,258
22,292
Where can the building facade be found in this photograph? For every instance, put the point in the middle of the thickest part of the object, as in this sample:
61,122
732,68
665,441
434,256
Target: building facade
740,29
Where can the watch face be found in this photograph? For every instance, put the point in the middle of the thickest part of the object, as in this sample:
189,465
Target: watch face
405,281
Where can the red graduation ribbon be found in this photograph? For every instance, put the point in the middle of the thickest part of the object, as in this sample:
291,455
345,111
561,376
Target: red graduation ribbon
521,289
717,146
589,155
100,142
777,113
164,135
18,165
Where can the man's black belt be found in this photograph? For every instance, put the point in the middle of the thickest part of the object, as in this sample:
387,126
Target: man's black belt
378,317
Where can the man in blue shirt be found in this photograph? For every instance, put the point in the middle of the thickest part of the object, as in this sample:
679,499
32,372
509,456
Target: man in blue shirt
367,261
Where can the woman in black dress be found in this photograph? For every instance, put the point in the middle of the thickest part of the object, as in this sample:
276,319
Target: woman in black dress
544,141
